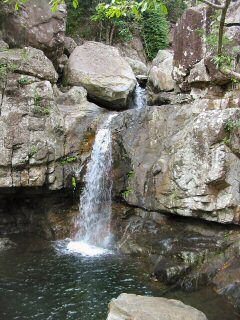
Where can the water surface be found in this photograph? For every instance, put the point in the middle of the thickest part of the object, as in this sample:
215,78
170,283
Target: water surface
45,281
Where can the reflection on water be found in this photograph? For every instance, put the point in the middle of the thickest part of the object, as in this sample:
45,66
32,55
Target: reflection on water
49,282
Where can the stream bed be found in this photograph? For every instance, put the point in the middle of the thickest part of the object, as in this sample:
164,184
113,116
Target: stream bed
45,281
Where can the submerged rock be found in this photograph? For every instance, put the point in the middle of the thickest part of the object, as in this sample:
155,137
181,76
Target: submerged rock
6,243
131,306
100,69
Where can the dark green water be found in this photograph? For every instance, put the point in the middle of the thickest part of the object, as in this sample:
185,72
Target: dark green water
45,282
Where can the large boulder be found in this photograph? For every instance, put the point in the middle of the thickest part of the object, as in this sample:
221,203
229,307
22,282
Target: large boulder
101,70
181,159
34,25
131,306
160,75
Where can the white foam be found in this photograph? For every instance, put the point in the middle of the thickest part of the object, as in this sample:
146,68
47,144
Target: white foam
86,249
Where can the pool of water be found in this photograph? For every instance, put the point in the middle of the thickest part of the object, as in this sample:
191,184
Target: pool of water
47,281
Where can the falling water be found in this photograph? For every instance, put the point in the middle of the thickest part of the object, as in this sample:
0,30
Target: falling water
95,202
139,102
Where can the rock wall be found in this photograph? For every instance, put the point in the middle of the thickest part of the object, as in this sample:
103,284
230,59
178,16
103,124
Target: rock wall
40,137
179,161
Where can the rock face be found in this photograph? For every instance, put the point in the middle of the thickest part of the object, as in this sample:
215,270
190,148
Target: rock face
180,159
37,136
101,70
131,306
34,25
193,57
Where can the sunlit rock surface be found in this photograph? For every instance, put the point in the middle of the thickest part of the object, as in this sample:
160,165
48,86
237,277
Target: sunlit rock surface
179,159
103,72
131,306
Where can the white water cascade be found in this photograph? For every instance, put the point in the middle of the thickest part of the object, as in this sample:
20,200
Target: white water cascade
140,101
95,204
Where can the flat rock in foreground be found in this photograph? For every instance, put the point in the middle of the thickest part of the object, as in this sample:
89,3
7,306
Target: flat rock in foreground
131,306
101,70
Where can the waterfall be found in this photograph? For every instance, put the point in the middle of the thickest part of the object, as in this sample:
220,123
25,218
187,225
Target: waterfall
95,203
140,100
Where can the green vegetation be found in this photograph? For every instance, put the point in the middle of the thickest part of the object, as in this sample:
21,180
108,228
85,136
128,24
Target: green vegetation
175,9
155,31
130,174
5,68
68,160
24,80
127,192
229,127
33,151
38,107
74,183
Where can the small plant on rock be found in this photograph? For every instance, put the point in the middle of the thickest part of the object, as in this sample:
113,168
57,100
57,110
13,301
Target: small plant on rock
68,160
24,80
38,108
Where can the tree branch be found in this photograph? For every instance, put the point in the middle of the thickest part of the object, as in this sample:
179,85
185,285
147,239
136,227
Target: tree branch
221,26
228,72
213,5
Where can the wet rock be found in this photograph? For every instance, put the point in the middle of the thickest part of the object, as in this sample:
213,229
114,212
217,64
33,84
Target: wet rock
172,247
6,243
172,98
49,214
34,25
220,269
105,75
131,306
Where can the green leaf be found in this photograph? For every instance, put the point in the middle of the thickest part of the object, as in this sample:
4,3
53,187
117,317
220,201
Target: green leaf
75,4
164,9
17,6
